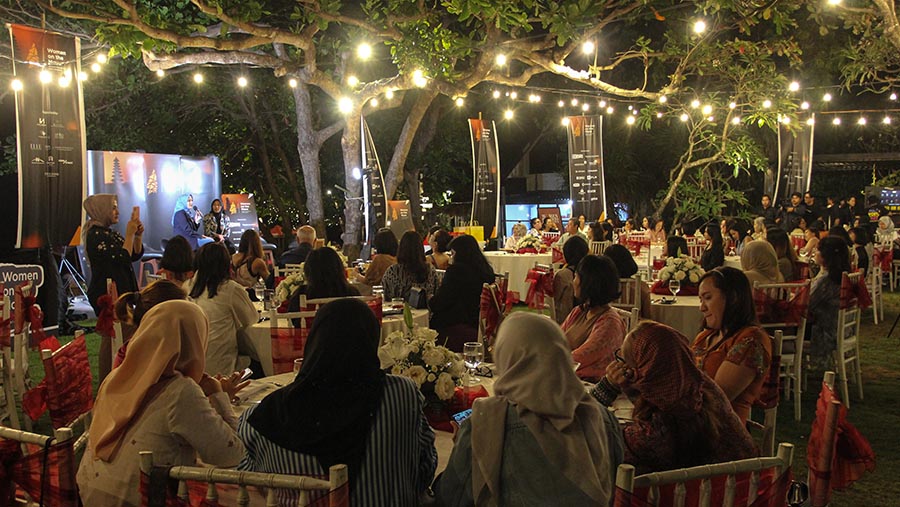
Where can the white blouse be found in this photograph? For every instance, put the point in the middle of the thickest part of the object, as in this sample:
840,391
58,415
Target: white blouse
230,311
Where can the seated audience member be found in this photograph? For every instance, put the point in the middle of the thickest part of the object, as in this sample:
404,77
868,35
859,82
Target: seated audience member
537,227
225,303
658,232
177,263
306,242
519,231
455,305
594,329
385,244
571,232
410,271
540,437
714,253
675,246
885,232
131,307
342,409
760,263
440,245
737,230
249,263
549,225
681,418
628,268
812,239
325,278
824,300
759,228
563,290
732,349
860,248
159,400
787,258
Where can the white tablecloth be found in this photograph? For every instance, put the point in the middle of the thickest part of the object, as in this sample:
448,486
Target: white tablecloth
517,265
733,261
683,315
258,339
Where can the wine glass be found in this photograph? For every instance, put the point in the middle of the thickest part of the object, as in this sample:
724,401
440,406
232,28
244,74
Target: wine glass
674,288
473,355
260,289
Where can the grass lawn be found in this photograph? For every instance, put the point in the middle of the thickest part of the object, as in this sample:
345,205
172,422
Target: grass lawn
877,416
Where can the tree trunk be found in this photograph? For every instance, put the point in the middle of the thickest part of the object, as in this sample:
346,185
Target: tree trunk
404,142
308,149
289,168
427,131
353,198
250,110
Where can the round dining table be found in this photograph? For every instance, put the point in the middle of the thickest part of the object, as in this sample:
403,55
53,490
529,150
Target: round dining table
517,265
683,314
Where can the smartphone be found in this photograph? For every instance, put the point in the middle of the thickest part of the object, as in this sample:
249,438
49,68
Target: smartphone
246,374
462,416
136,213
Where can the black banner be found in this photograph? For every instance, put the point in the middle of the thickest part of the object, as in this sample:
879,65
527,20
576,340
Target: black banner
795,150
587,184
486,183
374,196
50,133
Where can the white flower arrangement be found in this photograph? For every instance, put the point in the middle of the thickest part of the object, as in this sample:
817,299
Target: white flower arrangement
415,354
530,241
681,268
289,285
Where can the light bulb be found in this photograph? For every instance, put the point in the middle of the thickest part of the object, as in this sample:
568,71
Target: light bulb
374,102
45,76
345,105
459,101
794,86
695,103
629,120
352,81
561,103
585,107
16,85
64,81
292,82
663,99
508,114
389,94
659,115
82,76
610,110
861,121
699,26
565,121
804,105
198,78
500,60
767,104
160,73
513,95
364,51
886,120
736,120
811,122
893,96
683,117
601,104
242,82
588,47
732,105
574,102
95,67
836,121
101,58
826,97
496,94
707,110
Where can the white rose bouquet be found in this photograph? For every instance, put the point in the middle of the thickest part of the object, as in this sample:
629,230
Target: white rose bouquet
289,285
530,241
415,354
681,268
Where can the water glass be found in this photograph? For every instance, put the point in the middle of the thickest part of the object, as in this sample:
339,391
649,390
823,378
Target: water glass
674,287
298,364
473,355
260,289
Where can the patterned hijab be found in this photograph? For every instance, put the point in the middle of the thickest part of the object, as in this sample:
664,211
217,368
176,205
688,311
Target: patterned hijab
536,378
170,342
99,209
665,374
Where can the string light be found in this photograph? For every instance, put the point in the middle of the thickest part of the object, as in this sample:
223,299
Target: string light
500,60
585,107
711,119
292,82
508,114
707,110
588,47
893,96
364,51
794,86
732,105
101,58
767,104
561,103
610,110
683,117
804,105
419,78
659,114
513,95
565,121
82,76
834,2
45,77
16,85
574,102
353,81
811,122
836,121
861,120
345,105
602,104
374,102
64,81
198,78
160,73
629,120
886,120
242,82
695,104
736,120
663,99
95,67
699,26
826,97
496,94
389,94
459,102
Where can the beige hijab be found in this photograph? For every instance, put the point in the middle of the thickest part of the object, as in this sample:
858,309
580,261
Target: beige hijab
760,263
99,208
536,377
170,341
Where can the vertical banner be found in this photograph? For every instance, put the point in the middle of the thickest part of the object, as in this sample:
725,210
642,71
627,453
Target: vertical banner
241,212
795,152
50,134
375,209
399,218
486,181
587,183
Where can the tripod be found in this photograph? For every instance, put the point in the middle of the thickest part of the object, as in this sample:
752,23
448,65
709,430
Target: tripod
74,275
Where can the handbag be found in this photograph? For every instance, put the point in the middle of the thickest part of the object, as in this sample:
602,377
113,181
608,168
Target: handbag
417,298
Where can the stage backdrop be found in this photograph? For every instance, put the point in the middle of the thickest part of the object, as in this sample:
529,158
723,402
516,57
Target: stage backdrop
50,133
795,154
154,182
587,183
486,181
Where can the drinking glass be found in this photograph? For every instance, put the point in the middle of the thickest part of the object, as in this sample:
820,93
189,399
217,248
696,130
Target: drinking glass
473,355
260,289
298,364
674,288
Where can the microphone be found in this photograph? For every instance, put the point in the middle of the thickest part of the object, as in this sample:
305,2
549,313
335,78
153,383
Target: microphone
196,209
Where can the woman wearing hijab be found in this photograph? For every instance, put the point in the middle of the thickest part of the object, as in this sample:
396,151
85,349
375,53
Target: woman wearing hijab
216,224
186,222
760,263
342,409
541,439
106,248
159,400
681,417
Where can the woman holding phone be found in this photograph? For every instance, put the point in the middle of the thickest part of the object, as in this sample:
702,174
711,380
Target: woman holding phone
109,253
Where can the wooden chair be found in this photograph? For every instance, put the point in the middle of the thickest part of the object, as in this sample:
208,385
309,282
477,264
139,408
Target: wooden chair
289,332
9,410
705,485
874,279
47,479
544,270
118,338
305,488
631,293
793,299
770,413
491,311
67,378
634,319
287,270
598,247
17,352
847,350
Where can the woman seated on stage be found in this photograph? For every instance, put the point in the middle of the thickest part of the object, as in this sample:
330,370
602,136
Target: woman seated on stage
159,400
248,263
563,290
760,263
342,409
540,437
681,418
186,222
216,224
594,329
455,305
627,268
225,303
732,349
177,263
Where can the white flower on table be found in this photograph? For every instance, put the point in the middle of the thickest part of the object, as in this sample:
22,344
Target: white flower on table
444,386
417,374
433,356
679,275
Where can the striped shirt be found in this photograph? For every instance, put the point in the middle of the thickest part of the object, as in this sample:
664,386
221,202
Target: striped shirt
400,456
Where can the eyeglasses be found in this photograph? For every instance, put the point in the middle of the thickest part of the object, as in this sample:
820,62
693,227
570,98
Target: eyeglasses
484,371
618,356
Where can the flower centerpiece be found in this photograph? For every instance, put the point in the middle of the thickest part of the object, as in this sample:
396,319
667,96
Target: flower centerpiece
289,285
414,353
529,244
682,269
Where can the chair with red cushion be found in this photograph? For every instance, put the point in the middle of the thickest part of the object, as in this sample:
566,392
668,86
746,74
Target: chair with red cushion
37,469
69,387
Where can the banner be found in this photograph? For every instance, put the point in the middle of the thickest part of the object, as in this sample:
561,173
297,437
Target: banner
587,183
486,181
153,182
241,211
795,153
50,134
375,210
13,275
399,218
